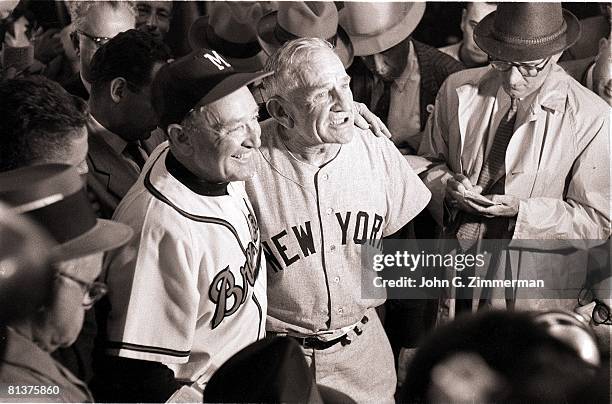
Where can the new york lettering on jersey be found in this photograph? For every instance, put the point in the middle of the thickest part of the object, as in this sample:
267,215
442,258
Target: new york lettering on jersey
296,242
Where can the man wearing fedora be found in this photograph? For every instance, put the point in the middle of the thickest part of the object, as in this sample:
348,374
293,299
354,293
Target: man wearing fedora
526,136
195,293
229,28
54,197
322,188
396,76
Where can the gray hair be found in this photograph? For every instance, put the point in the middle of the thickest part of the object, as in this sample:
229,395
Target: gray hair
288,63
80,9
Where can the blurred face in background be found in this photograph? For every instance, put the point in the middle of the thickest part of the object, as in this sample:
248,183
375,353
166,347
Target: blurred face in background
154,17
472,14
102,23
60,323
602,72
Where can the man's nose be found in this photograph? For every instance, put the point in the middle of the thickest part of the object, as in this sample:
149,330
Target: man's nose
152,20
514,76
380,65
253,139
343,99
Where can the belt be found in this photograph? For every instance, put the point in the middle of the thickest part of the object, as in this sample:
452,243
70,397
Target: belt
319,344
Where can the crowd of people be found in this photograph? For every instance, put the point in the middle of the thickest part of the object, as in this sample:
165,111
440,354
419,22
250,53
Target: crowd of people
206,176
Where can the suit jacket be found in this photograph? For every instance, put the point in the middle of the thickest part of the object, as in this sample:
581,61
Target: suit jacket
111,173
25,364
434,67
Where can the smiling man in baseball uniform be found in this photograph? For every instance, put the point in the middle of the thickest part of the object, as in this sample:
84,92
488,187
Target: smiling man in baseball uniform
322,188
194,293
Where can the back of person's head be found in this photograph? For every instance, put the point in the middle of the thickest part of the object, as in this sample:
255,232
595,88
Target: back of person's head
79,10
39,120
495,357
131,55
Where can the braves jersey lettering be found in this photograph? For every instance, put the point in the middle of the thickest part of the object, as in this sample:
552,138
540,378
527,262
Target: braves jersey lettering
224,289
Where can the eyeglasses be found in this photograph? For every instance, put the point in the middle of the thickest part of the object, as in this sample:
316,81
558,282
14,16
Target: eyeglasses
526,69
92,291
601,311
97,40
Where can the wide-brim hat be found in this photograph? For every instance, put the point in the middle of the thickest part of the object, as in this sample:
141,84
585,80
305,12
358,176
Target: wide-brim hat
26,274
374,27
272,36
243,56
520,32
54,196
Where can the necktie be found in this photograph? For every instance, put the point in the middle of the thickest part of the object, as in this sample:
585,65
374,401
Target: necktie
470,225
136,153
382,106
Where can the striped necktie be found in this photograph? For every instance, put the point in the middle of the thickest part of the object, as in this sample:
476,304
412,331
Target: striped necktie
469,227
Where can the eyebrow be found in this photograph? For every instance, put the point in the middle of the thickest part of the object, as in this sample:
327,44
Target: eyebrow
255,111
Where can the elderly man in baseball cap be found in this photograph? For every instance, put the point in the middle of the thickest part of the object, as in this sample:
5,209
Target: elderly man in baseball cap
521,150
53,196
195,293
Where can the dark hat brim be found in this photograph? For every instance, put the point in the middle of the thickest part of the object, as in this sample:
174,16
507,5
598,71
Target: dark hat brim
106,235
270,44
485,39
230,84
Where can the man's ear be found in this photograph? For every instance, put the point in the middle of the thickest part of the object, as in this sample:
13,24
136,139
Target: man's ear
464,21
276,107
179,139
74,38
118,87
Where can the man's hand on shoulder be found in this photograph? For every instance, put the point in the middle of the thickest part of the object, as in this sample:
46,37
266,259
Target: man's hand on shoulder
365,119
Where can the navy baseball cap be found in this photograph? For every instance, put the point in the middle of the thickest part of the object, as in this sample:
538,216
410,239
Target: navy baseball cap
199,78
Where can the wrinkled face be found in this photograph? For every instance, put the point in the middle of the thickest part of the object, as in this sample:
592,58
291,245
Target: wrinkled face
322,105
390,64
60,324
154,17
602,72
137,109
101,21
518,86
469,19
225,138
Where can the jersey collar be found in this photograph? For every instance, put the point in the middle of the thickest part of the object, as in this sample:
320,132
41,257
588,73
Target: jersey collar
191,181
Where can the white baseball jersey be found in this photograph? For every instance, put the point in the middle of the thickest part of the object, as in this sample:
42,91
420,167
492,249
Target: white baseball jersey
187,291
314,220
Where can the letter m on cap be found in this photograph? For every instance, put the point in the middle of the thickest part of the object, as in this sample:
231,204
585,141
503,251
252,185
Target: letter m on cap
217,60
